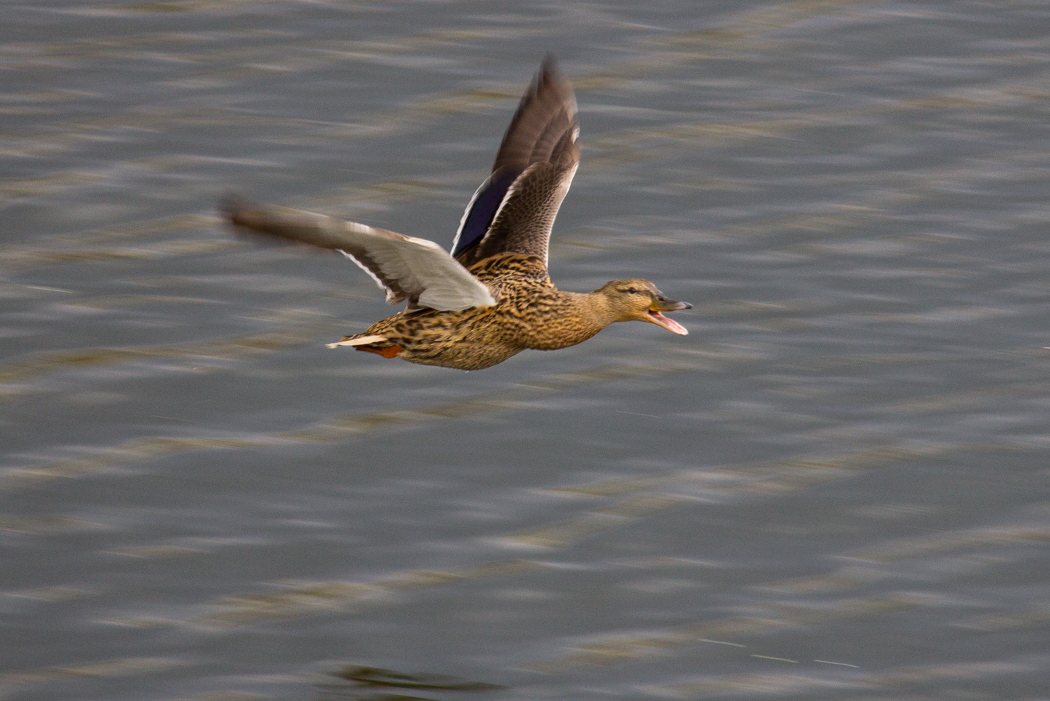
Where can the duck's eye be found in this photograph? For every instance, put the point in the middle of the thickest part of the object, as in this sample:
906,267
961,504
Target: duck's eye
632,290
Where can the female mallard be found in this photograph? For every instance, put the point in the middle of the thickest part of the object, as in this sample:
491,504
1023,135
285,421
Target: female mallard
491,298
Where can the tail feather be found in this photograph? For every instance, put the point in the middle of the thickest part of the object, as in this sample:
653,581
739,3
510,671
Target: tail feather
378,344
358,341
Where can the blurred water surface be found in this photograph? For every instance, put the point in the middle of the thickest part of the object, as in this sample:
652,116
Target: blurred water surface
836,487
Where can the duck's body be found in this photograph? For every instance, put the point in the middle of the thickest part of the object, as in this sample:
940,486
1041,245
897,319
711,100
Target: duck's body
492,298
530,312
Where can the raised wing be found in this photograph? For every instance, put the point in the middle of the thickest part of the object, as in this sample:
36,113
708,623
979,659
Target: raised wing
407,268
514,209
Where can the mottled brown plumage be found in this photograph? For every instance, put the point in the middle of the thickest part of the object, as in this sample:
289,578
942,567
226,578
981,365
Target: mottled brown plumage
492,298
530,313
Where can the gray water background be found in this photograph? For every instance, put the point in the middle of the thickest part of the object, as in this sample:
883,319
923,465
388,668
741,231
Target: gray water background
836,487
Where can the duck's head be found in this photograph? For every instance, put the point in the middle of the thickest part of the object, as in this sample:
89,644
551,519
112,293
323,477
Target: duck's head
639,300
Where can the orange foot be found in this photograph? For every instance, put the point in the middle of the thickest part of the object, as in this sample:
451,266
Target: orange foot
385,351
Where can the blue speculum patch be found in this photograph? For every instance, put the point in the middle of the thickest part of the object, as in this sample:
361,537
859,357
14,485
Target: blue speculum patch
483,210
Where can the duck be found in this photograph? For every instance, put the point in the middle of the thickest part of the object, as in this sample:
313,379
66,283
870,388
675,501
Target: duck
490,297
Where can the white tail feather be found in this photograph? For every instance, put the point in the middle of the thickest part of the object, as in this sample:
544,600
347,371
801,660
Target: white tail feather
362,341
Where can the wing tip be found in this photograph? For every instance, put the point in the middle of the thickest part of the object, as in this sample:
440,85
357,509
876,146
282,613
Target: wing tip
549,65
550,74
235,208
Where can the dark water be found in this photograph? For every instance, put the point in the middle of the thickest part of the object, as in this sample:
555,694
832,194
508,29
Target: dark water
837,487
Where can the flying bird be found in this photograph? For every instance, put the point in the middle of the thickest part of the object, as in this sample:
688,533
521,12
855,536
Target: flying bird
491,298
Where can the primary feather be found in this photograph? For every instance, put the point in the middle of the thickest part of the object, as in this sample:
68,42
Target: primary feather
513,211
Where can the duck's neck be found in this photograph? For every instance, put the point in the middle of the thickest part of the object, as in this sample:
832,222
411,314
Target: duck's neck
573,319
597,310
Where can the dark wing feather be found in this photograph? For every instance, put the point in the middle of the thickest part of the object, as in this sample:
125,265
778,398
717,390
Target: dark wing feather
535,163
406,267
482,210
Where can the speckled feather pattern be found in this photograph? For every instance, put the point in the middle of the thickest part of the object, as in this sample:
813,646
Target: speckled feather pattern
530,313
